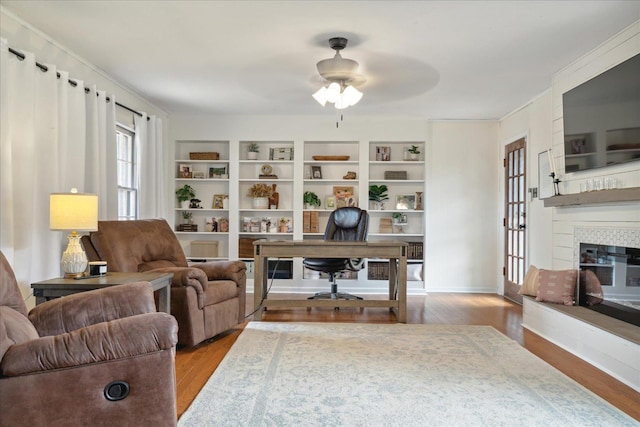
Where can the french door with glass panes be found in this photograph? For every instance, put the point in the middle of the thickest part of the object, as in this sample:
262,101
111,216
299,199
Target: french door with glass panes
514,221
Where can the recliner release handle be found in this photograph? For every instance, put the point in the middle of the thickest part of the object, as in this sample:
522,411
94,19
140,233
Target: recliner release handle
116,390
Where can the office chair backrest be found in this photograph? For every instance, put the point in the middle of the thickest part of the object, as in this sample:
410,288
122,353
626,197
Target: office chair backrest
349,223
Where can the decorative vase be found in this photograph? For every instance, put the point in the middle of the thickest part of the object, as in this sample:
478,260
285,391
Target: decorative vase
252,155
260,203
419,200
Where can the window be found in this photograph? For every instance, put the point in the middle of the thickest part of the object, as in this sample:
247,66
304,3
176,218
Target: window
127,174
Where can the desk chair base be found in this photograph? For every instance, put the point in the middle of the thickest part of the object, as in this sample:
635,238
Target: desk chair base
334,294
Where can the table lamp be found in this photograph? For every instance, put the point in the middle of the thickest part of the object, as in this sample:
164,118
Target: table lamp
73,212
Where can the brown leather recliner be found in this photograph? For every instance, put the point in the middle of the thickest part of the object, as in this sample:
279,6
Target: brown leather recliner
72,360
206,299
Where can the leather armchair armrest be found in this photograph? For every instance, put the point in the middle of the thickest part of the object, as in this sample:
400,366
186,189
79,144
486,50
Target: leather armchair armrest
224,270
119,339
186,276
79,310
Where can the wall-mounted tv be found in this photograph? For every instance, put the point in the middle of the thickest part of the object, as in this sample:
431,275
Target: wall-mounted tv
602,119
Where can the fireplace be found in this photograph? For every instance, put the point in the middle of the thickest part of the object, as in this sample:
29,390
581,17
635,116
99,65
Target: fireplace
614,256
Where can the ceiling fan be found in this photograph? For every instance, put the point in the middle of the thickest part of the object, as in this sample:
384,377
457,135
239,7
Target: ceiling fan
342,76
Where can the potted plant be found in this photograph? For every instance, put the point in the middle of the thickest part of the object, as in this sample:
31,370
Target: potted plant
187,217
414,152
260,193
252,151
378,195
310,200
185,194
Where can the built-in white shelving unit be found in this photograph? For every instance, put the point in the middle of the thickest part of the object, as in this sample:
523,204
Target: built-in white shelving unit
339,172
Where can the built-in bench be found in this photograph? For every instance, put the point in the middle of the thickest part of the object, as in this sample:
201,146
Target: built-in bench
607,343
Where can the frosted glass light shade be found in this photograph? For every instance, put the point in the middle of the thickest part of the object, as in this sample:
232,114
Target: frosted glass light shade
321,96
351,95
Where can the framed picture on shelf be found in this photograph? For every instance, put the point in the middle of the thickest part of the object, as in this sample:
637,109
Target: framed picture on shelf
218,201
383,154
218,171
281,153
316,172
545,183
185,171
406,201
331,202
344,196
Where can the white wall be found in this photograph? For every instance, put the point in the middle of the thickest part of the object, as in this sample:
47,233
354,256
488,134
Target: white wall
461,171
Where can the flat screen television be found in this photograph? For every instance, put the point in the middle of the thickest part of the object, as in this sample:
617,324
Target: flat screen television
602,119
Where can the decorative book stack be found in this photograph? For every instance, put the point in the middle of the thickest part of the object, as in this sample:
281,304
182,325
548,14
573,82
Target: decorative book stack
386,225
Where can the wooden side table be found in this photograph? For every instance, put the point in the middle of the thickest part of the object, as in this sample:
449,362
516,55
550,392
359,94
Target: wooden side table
59,287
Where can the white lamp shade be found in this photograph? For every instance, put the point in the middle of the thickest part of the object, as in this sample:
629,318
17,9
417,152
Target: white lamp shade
73,211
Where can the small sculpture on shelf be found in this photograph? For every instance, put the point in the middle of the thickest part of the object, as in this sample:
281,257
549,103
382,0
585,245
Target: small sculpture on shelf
194,204
274,199
350,175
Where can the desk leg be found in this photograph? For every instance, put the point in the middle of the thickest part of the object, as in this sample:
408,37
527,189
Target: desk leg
393,279
258,286
402,289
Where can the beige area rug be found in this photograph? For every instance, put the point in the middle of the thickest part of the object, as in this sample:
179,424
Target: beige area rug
339,374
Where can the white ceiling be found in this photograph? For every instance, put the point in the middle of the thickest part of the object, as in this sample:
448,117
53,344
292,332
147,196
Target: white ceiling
432,59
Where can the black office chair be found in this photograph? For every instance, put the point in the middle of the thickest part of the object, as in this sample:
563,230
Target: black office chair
350,224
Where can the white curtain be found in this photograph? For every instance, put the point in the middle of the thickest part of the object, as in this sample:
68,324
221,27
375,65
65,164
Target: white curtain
150,160
45,147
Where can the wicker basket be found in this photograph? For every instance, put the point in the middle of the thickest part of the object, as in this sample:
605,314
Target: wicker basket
210,155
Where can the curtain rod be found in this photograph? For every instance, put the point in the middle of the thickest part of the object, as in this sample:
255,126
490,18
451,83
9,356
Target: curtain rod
73,83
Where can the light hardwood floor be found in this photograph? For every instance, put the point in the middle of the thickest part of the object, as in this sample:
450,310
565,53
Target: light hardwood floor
195,365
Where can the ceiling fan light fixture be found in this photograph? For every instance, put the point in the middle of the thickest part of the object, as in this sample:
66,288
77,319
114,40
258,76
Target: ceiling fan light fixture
333,92
321,96
341,74
351,95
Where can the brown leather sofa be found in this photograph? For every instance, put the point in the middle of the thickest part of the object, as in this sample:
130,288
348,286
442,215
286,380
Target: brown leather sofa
72,360
206,299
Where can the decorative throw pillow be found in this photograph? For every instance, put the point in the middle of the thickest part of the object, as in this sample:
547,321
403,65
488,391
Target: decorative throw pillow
530,285
557,286
592,287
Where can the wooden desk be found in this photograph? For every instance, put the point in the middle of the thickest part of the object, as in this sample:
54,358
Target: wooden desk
60,287
396,252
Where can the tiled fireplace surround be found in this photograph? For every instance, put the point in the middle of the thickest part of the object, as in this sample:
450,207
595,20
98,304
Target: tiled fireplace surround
607,343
